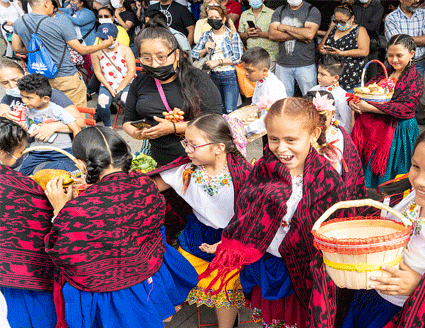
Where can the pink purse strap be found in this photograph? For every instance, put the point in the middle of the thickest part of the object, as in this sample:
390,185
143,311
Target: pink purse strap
162,95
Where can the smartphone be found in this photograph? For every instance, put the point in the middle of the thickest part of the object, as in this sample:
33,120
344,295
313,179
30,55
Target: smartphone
141,124
251,24
34,127
328,48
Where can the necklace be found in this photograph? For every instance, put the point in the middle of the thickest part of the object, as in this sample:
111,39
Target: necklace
162,9
211,179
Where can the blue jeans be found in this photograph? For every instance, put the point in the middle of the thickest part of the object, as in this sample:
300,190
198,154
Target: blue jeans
104,103
57,161
227,84
306,77
421,67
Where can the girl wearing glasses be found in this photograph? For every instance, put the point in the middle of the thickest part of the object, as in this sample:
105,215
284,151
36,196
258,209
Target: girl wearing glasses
26,279
209,179
349,41
169,82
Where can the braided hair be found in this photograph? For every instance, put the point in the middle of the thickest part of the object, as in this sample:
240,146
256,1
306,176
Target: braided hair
407,42
12,135
217,130
100,147
300,108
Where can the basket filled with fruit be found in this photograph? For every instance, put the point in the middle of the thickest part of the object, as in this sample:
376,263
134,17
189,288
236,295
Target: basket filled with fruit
379,92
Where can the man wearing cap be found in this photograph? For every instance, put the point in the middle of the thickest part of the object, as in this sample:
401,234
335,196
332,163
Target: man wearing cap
55,34
115,68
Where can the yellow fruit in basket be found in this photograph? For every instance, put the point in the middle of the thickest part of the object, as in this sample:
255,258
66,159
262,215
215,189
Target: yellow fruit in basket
42,177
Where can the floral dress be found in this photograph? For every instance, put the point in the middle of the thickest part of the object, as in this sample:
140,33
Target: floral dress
353,66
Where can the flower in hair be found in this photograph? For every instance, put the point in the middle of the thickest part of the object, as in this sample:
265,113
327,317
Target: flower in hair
323,104
265,102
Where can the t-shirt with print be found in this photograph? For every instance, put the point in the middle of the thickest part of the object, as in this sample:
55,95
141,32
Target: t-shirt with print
234,7
58,98
129,16
52,113
53,33
294,53
178,16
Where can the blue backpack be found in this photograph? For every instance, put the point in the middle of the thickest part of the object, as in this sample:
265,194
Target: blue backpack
39,60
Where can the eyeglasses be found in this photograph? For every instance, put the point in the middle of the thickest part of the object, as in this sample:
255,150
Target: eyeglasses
160,59
336,21
191,148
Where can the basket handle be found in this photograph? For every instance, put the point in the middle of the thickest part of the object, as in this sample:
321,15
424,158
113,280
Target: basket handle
359,203
374,61
71,157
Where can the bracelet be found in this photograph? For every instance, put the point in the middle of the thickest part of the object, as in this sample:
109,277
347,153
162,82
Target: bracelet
220,61
175,130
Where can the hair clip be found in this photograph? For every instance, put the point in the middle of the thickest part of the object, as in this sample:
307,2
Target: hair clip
323,104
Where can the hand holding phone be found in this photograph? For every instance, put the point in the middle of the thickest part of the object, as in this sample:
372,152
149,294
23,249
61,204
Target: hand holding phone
250,24
141,124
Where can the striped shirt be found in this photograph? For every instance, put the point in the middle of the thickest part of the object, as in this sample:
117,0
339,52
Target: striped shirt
397,22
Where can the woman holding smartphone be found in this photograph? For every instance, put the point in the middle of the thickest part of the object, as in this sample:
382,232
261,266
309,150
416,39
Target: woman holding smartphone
349,41
169,81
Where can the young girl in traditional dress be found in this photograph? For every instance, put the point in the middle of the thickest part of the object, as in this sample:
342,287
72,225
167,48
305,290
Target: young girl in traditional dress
339,148
287,191
114,269
374,308
26,272
209,180
384,133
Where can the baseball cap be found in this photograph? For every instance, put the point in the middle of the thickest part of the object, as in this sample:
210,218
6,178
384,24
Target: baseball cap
106,30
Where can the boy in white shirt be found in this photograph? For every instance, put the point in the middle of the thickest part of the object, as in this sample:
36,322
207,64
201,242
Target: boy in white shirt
256,62
328,73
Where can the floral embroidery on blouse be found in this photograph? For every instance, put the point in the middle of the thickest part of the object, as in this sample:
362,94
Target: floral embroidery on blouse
411,212
223,179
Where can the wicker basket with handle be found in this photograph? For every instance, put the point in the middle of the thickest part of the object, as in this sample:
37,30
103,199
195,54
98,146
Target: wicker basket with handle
354,249
381,97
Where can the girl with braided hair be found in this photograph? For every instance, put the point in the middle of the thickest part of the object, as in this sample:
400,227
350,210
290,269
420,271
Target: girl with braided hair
209,179
26,272
385,133
269,236
114,268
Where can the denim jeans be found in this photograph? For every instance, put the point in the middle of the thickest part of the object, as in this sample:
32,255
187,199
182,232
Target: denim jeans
104,103
56,161
306,77
227,84
421,67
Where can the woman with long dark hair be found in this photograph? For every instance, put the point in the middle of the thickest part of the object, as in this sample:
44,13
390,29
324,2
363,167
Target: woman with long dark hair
169,82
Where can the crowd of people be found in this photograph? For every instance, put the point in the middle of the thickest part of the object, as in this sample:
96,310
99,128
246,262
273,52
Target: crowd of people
119,248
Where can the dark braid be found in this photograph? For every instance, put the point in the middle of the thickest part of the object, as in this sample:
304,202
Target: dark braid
101,147
11,135
217,130
407,42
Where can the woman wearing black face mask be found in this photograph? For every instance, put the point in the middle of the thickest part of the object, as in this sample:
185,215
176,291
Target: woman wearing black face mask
227,52
169,81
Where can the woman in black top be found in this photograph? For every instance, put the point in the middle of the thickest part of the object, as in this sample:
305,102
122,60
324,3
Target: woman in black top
184,86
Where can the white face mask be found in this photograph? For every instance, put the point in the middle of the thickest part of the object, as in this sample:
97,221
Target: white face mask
364,1
14,92
116,4
294,3
105,20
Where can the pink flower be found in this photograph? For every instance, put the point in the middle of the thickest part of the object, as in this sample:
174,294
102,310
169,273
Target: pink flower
323,104
265,102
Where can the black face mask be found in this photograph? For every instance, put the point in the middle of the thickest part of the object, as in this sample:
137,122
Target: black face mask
161,73
216,24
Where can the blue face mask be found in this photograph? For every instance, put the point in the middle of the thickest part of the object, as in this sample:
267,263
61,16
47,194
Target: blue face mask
255,3
343,28
13,92
5,1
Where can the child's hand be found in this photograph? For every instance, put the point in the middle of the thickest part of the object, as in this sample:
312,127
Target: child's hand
13,116
57,195
210,249
45,131
403,281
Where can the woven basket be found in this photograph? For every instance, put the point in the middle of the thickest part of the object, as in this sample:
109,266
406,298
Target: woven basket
47,148
247,115
354,249
375,97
